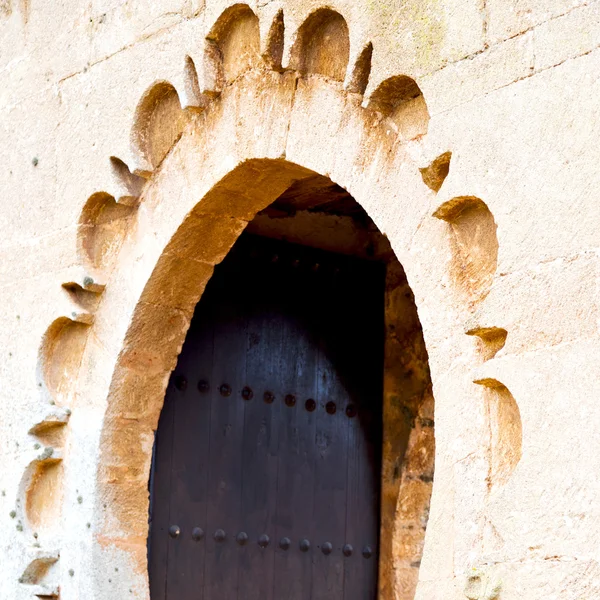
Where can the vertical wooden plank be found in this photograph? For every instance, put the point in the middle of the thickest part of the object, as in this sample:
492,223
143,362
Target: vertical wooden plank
362,524
158,547
331,461
354,353
364,471
370,499
261,431
354,578
189,480
355,568
226,437
295,493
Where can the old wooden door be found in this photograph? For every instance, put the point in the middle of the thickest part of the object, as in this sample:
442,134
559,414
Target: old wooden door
266,471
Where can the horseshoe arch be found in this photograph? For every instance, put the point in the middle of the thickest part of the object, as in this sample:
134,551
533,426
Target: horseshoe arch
245,138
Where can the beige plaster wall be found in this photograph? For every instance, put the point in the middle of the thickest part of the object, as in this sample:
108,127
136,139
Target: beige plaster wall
512,89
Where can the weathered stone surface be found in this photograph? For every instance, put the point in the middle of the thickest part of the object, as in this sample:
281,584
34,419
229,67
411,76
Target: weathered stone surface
478,75
510,88
554,43
506,19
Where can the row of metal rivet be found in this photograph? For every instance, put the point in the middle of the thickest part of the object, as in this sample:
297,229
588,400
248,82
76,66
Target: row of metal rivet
247,394
263,541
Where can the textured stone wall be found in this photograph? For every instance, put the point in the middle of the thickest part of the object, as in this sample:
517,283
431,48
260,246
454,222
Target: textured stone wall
468,132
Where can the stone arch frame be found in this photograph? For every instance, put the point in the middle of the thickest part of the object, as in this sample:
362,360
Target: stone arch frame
160,319
274,128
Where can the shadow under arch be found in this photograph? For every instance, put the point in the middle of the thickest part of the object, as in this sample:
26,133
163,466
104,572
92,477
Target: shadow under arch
157,330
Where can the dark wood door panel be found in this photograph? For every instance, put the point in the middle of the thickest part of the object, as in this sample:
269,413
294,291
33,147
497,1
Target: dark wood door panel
266,473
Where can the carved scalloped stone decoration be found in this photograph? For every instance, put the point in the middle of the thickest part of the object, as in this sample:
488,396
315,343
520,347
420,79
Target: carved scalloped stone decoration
400,99
361,71
39,574
191,84
273,52
159,121
50,429
60,356
102,227
44,497
236,35
41,491
474,242
322,45
84,300
492,339
132,183
506,431
435,173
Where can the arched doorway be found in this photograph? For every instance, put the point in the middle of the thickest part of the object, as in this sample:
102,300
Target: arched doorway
273,472
267,470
